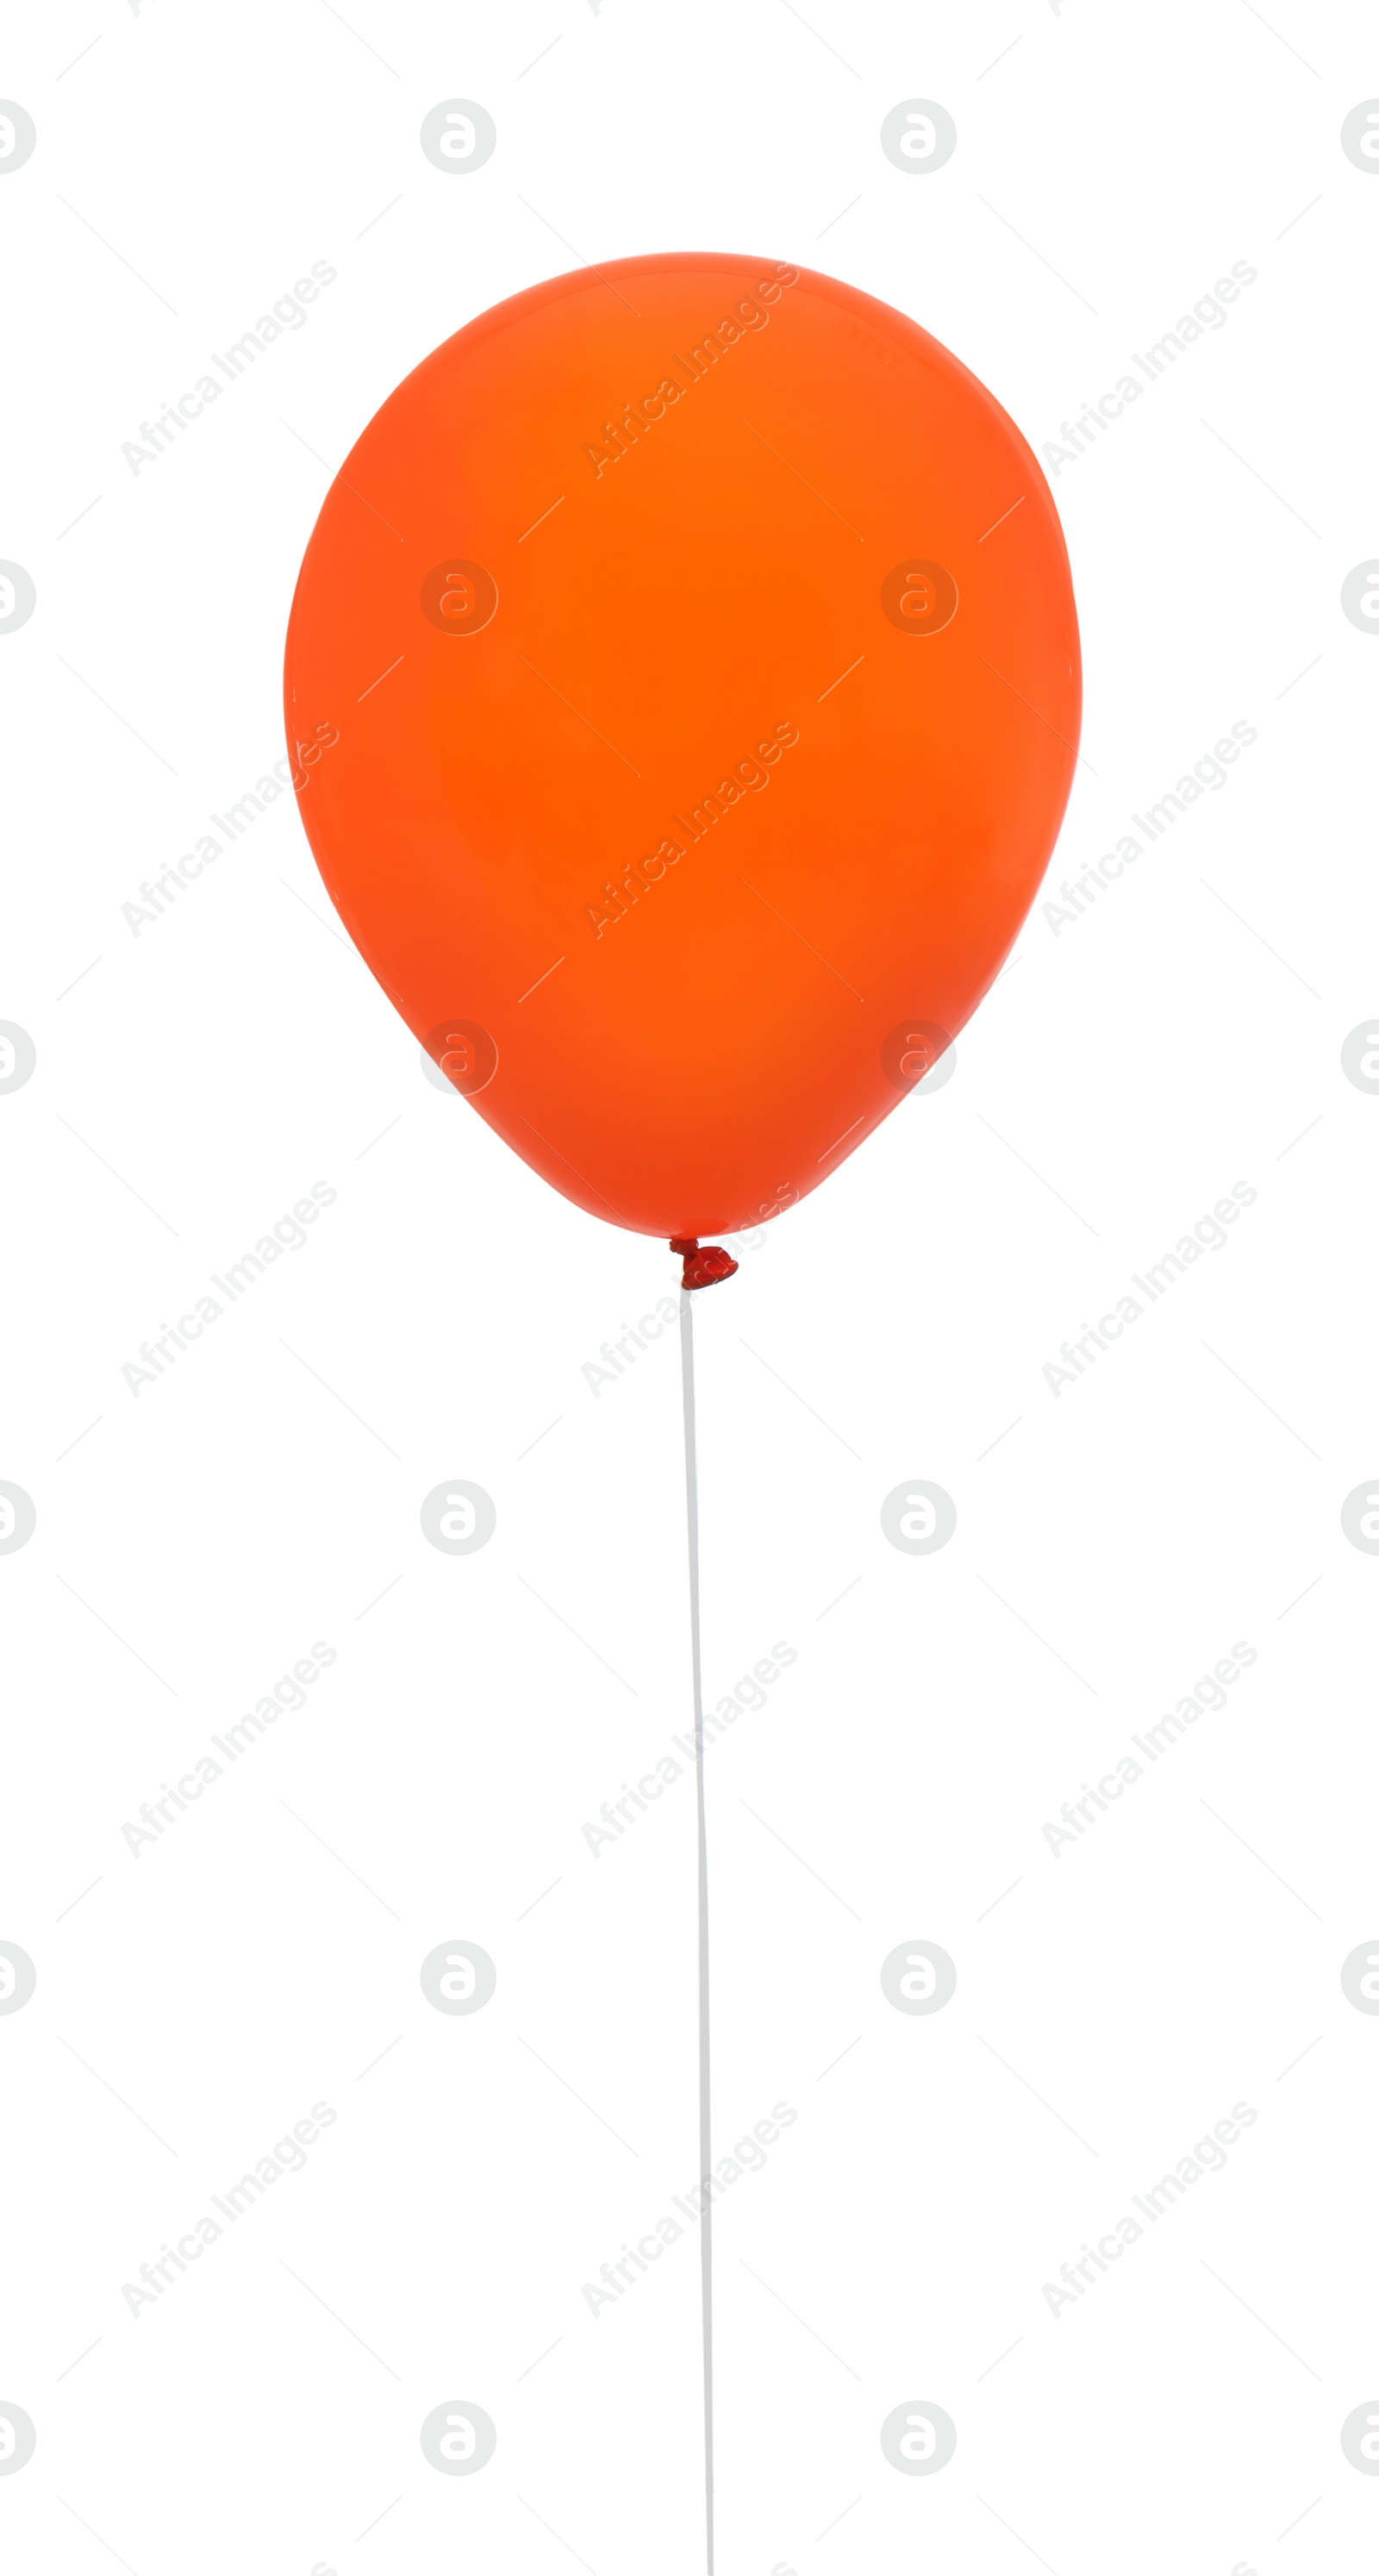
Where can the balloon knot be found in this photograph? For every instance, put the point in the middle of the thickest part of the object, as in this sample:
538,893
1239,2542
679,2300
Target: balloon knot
704,1266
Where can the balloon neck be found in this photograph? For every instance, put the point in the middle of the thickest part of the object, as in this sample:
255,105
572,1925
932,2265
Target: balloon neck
704,1265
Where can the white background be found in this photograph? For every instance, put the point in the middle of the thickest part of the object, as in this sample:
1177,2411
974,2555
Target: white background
1113,1540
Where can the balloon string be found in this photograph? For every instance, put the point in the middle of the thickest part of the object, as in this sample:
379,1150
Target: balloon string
705,2161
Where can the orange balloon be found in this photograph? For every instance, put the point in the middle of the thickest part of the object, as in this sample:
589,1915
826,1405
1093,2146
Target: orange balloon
683,687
